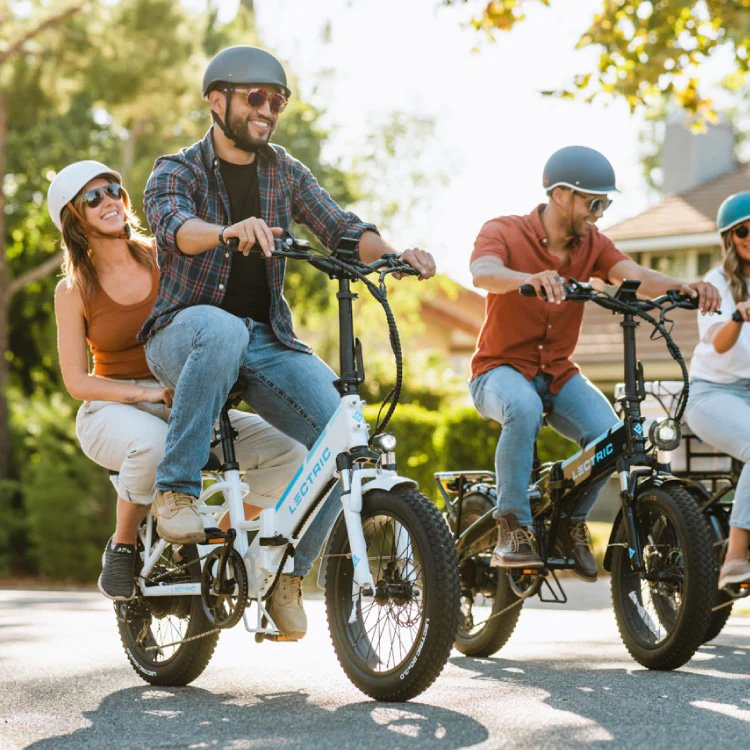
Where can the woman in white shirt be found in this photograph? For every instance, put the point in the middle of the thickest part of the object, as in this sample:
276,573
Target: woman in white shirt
719,407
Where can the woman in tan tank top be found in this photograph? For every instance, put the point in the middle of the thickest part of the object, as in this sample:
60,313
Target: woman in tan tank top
110,282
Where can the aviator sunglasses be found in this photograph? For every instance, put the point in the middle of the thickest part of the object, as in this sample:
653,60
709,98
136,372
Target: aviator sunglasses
595,204
256,98
92,198
741,231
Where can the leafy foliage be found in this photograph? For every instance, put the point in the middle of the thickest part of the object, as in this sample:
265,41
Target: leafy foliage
650,51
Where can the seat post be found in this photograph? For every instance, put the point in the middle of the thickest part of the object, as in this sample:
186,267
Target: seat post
228,435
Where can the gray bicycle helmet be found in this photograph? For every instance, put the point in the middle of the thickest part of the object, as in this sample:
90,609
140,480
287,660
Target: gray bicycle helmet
579,168
242,65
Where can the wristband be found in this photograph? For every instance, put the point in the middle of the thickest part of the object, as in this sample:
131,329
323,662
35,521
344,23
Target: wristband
221,235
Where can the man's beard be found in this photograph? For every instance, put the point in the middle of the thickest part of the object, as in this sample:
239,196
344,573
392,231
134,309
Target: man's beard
242,138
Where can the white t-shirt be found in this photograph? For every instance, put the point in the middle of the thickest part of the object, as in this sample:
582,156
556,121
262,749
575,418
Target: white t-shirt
707,363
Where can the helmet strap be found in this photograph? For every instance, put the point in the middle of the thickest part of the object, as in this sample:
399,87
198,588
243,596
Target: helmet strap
224,126
92,233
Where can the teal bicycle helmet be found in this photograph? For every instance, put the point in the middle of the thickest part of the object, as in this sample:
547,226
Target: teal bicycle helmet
734,209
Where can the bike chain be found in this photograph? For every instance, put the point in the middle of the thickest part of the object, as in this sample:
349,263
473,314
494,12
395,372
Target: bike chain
184,640
179,567
502,612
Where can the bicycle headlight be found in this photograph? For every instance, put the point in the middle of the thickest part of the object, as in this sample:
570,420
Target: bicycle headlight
385,442
665,434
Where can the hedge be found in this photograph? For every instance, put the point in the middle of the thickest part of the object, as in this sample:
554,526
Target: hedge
64,505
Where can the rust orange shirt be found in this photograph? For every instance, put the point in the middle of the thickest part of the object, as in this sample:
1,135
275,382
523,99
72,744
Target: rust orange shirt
527,333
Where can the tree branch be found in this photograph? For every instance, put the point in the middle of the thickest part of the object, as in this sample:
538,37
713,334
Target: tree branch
35,274
47,23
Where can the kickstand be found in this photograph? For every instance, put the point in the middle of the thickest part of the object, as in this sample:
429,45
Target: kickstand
558,596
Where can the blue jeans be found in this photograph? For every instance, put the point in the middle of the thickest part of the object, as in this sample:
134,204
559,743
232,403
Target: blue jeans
579,411
200,354
719,414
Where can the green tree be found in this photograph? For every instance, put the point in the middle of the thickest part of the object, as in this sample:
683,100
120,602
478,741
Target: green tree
650,51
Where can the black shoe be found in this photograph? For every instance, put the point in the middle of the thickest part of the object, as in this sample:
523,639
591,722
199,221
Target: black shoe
574,540
516,546
117,580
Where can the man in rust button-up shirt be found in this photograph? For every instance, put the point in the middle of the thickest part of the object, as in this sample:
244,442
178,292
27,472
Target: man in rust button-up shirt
522,366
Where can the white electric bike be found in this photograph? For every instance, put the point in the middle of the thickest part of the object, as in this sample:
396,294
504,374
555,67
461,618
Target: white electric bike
389,568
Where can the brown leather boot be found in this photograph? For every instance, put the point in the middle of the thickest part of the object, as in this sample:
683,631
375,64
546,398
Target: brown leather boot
574,540
516,546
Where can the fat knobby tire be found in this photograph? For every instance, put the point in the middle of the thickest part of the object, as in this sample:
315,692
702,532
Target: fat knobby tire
495,634
191,657
431,537
691,624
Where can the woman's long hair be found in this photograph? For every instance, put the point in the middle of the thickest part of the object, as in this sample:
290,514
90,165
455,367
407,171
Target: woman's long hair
78,265
733,269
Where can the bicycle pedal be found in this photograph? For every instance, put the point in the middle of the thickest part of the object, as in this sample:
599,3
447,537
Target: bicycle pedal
273,541
533,571
280,638
217,536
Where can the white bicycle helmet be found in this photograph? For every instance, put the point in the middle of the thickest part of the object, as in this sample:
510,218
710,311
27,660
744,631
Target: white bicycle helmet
68,183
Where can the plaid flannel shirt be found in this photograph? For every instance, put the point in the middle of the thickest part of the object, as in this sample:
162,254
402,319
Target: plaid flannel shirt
188,185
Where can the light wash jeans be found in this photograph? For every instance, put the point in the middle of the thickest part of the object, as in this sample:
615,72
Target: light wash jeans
580,412
199,354
719,414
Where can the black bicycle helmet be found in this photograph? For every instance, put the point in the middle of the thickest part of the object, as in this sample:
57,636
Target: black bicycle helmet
579,168
243,65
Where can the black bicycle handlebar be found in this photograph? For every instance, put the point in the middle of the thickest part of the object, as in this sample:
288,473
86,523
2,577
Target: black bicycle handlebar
576,291
737,317
288,246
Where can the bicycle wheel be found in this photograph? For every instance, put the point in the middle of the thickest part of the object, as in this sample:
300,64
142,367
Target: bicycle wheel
719,617
662,614
722,603
156,631
489,607
394,645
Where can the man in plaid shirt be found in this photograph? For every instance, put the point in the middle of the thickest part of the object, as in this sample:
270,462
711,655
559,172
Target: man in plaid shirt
219,311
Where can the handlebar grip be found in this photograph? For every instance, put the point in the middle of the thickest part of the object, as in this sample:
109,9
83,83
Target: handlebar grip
736,317
527,290
233,243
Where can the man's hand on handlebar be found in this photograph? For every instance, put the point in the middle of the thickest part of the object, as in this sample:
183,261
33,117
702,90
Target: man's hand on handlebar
252,230
709,299
420,260
742,312
552,284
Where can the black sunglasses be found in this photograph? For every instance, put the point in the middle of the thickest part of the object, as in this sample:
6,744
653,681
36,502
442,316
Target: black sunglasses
595,204
256,98
92,198
741,231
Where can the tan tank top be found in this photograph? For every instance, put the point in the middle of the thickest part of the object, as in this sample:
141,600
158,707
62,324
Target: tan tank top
112,333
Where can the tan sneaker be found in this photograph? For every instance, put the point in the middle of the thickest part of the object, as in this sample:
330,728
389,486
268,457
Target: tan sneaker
177,519
734,572
285,607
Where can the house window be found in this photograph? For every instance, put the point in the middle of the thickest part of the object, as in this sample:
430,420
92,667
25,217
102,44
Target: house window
706,261
672,264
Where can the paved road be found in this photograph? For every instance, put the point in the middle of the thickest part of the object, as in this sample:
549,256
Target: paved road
563,679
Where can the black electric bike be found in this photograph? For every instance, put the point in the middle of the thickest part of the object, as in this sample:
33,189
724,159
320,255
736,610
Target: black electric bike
659,552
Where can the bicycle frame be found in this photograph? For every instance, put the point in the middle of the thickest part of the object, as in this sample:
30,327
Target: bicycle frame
621,448
267,543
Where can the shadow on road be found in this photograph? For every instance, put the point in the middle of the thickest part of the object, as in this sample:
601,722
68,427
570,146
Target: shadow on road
148,717
634,706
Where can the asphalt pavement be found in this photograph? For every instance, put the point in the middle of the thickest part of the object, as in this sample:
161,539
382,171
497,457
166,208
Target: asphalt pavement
563,680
